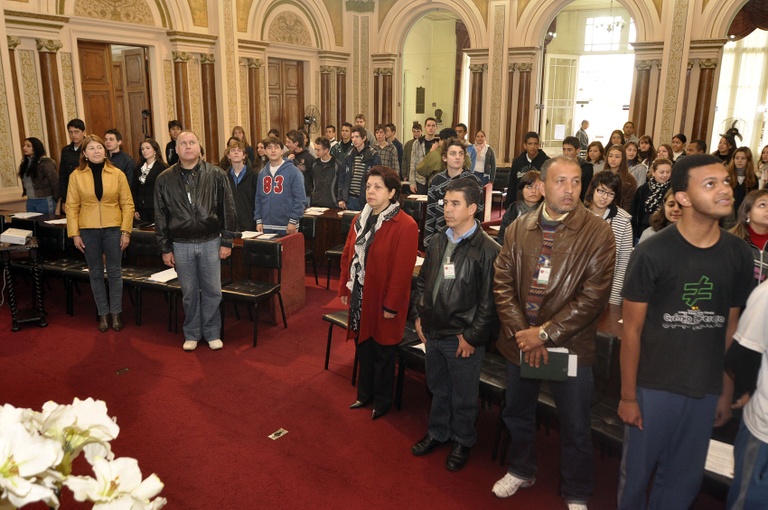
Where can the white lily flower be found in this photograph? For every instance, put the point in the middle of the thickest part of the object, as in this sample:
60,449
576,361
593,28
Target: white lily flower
117,486
10,415
84,422
24,457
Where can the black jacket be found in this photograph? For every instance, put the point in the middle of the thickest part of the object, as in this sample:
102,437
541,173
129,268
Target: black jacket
144,194
70,159
171,156
521,166
464,304
209,213
244,195
125,163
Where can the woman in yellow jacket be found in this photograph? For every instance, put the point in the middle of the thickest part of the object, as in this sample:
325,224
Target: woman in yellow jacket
99,221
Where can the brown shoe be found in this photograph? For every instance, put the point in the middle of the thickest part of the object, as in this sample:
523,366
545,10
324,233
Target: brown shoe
103,323
117,322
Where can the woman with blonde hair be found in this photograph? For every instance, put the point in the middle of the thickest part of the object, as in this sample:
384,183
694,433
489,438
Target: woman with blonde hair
99,221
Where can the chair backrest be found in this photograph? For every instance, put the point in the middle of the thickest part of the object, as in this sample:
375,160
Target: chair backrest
51,241
25,224
605,344
501,182
413,208
143,244
308,227
263,253
346,224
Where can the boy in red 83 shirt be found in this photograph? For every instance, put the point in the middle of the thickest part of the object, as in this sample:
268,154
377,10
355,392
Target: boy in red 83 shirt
280,195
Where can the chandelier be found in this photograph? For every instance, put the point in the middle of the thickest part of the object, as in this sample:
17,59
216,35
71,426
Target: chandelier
613,24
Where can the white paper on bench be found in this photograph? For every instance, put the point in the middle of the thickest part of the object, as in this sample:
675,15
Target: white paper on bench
164,276
421,346
60,221
267,236
720,458
250,234
26,215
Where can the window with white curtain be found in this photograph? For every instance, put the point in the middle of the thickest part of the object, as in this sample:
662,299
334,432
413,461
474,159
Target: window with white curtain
742,94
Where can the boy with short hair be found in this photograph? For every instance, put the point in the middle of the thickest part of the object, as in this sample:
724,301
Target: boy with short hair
280,195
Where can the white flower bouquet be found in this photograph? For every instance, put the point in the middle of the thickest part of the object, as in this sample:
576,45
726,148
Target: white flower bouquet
37,450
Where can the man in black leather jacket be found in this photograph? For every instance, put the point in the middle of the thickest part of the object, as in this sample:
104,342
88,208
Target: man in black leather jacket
455,317
194,223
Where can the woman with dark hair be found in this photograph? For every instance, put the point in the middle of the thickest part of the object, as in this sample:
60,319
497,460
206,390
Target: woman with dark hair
647,152
376,290
742,174
528,198
261,157
596,156
678,147
636,168
727,145
239,133
482,159
99,221
39,178
602,196
666,215
151,164
617,137
762,167
752,226
650,196
616,162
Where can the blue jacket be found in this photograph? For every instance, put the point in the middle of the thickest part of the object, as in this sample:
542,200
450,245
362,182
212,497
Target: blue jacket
279,200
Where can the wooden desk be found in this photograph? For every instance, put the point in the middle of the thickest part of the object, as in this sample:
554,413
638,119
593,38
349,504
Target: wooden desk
327,234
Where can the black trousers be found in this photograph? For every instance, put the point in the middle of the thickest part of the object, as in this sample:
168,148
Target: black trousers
377,373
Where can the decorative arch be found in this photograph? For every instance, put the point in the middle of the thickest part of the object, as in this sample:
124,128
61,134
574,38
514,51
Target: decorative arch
404,15
313,16
717,18
538,16
136,12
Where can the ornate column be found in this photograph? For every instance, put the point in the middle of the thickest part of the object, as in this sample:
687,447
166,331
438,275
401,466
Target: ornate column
523,122
13,42
52,102
181,84
376,96
508,150
640,99
325,98
341,95
707,69
476,97
254,112
210,109
386,96
686,96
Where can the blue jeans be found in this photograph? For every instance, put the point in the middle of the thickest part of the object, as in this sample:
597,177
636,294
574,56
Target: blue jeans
749,489
42,205
199,269
355,203
673,444
573,399
455,386
104,244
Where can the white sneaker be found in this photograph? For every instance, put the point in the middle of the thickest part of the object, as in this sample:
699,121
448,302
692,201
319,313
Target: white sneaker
216,344
189,345
577,506
509,485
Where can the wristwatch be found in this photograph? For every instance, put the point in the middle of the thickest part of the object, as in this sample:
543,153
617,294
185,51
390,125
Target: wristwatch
543,336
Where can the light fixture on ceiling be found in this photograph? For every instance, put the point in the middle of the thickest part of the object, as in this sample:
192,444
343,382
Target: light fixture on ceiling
613,24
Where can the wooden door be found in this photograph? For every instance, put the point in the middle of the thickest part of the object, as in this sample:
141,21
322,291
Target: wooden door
136,100
286,94
98,92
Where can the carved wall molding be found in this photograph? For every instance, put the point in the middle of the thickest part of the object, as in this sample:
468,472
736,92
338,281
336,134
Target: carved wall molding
126,11
207,58
478,68
524,67
326,69
289,28
230,65
386,71
13,42
341,70
31,94
511,68
7,158
181,56
643,65
170,99
673,69
708,63
48,45
360,5
68,84
497,56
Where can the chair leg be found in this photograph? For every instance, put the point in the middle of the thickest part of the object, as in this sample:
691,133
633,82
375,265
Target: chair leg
255,321
237,311
138,306
68,296
282,310
328,280
328,346
314,269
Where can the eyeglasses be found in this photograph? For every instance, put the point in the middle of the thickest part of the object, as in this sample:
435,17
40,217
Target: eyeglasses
605,192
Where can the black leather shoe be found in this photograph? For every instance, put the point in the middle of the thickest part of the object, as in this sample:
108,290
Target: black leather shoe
425,446
457,458
376,414
117,322
103,323
357,404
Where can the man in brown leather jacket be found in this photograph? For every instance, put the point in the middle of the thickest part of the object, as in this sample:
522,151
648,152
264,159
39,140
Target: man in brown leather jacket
552,282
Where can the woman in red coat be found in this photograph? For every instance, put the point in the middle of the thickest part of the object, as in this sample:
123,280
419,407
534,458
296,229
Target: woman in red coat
376,270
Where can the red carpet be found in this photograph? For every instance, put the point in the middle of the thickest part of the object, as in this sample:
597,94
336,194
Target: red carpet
200,420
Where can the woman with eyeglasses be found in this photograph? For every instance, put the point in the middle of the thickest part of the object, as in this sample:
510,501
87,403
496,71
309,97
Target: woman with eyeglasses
650,196
603,195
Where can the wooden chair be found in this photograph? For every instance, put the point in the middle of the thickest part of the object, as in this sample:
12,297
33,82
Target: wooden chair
308,227
335,252
258,254
340,319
